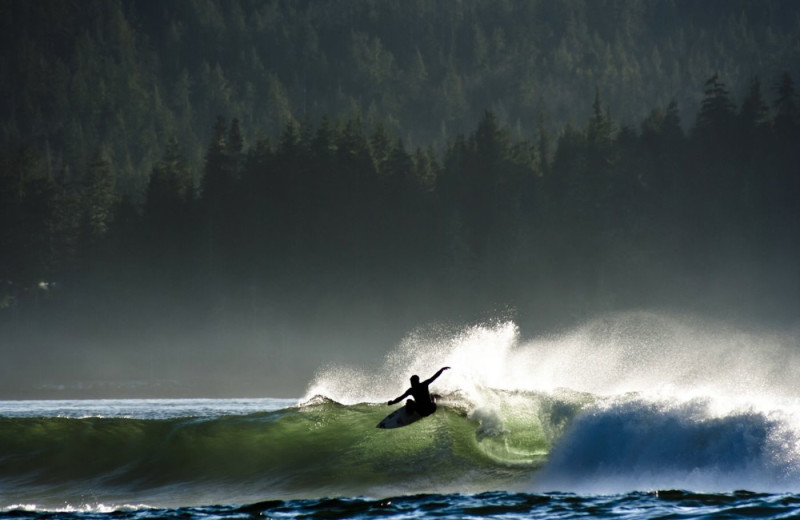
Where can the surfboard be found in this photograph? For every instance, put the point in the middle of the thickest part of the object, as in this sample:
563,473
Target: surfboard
398,418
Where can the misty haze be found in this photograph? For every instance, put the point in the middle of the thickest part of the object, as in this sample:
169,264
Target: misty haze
238,199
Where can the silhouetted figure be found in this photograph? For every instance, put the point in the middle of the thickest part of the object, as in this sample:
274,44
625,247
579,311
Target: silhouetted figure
421,402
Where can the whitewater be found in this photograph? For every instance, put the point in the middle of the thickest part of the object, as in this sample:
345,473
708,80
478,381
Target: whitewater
637,415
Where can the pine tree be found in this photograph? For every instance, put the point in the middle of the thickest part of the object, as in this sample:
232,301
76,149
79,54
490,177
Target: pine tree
543,151
98,196
170,229
425,169
599,131
217,174
235,139
380,148
672,123
754,113
717,111
171,180
218,204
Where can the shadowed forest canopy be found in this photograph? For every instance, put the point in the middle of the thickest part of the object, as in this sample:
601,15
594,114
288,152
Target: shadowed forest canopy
129,75
243,165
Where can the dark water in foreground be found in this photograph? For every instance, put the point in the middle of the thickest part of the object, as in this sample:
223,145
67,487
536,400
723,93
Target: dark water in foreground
501,505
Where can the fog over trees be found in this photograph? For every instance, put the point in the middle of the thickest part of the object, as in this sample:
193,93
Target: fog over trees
214,198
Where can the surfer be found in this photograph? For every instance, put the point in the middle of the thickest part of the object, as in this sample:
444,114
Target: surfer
421,402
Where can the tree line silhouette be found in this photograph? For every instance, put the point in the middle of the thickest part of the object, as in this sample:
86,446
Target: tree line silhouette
596,217
127,75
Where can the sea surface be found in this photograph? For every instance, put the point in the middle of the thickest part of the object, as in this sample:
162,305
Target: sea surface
522,431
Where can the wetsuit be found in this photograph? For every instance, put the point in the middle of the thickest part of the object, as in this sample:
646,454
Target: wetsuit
421,402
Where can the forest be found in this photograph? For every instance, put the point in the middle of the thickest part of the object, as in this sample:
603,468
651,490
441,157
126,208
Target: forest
129,75
228,166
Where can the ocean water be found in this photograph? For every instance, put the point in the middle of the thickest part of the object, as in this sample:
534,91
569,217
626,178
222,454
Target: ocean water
623,418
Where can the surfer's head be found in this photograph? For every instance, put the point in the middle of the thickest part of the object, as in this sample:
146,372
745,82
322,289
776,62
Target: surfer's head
415,380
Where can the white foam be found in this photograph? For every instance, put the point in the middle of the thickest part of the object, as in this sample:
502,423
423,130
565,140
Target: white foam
83,508
629,352
679,402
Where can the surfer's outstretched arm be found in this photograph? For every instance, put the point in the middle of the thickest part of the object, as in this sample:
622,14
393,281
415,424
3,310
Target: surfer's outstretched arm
395,401
437,374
